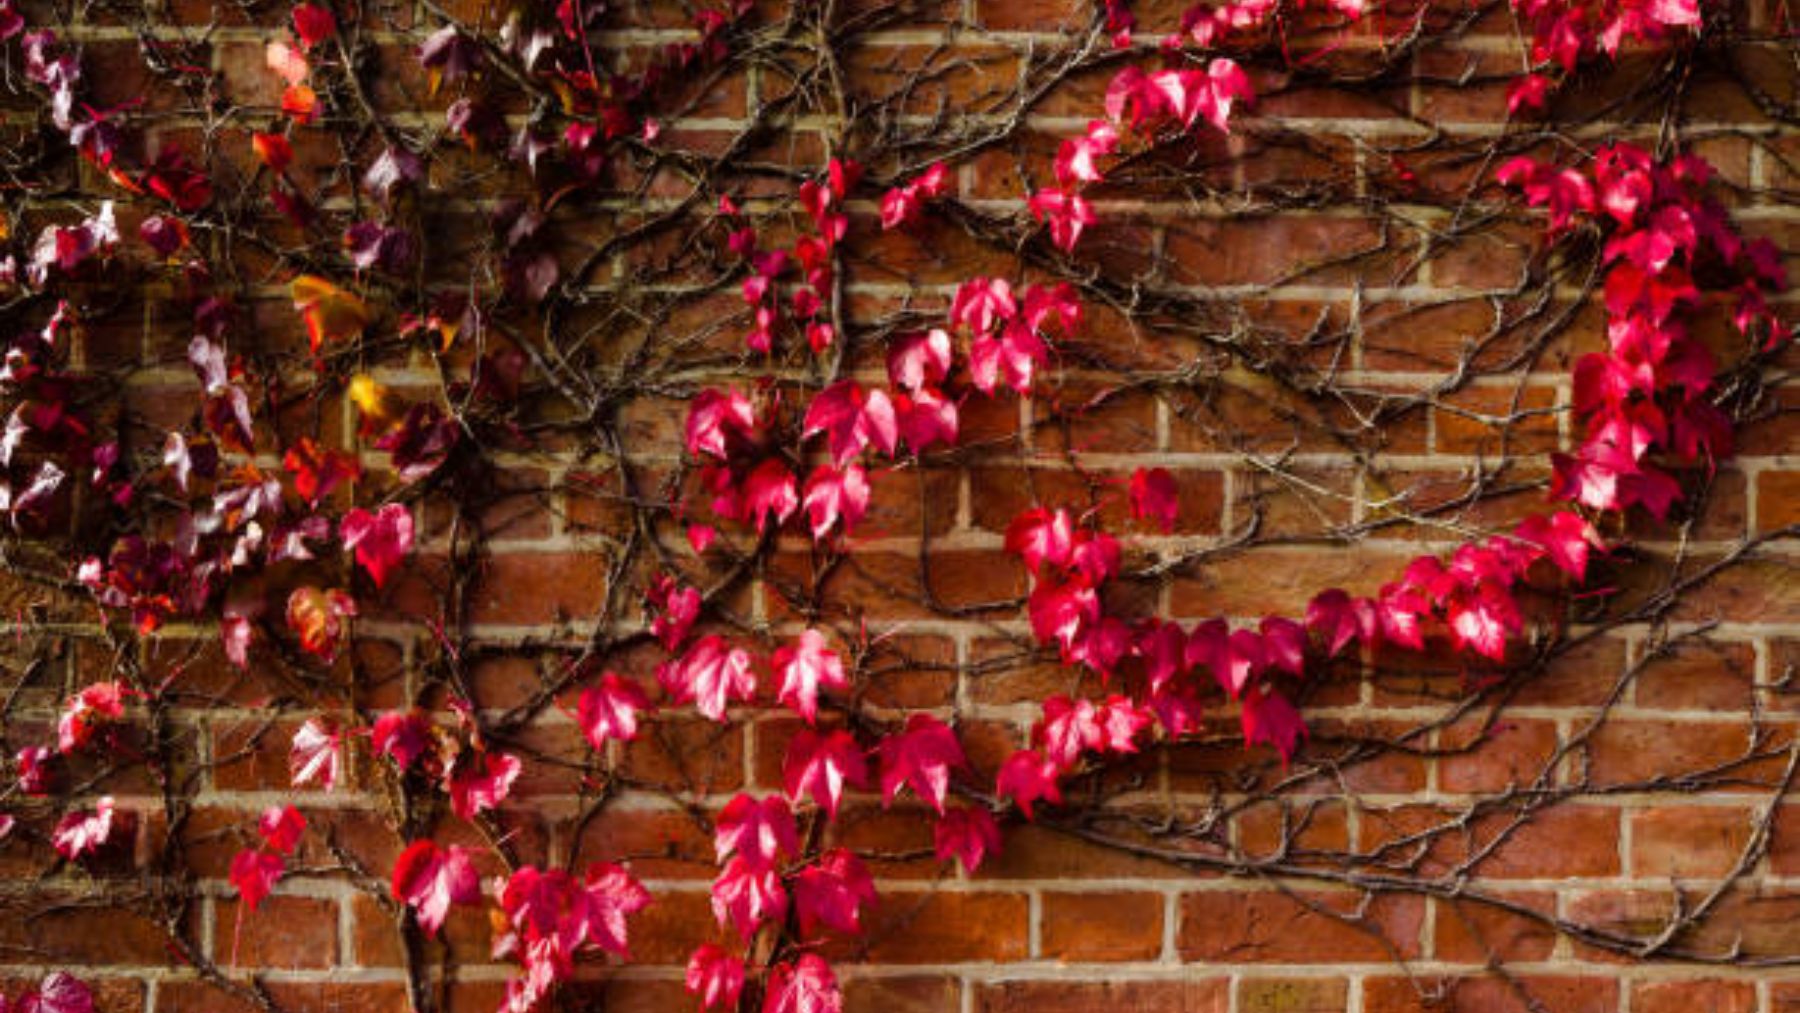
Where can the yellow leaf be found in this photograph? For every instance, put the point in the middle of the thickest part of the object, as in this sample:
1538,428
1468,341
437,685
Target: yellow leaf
330,312
379,405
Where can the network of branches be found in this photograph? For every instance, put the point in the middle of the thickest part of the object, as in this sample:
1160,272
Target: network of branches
478,418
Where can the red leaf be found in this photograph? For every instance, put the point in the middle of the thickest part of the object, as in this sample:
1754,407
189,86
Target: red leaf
84,712
967,834
313,23
1027,777
1121,722
769,494
1268,717
281,827
1483,618
1067,213
1284,644
402,736
832,892
1154,496
478,786
1012,357
318,470
610,711
1039,536
1339,619
1565,536
602,904
980,302
819,765
430,879
922,757
380,539
680,607
926,417
254,874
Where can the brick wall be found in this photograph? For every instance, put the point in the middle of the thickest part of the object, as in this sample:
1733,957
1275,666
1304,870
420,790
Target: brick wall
1343,340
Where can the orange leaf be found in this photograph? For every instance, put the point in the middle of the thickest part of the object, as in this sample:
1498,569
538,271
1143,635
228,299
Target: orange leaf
331,313
300,103
274,150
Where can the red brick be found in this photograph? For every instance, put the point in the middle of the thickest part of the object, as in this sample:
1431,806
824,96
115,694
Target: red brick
1308,928
1185,995
1081,927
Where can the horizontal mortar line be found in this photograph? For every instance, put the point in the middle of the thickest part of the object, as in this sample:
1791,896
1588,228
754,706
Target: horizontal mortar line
990,972
1727,630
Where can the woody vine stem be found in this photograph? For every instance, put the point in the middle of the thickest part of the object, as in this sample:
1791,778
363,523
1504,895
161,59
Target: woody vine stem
418,284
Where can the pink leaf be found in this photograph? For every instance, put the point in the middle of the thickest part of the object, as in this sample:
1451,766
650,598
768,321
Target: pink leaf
79,833
805,986
820,765
380,540
980,302
836,494
711,674
1069,727
760,833
852,419
1040,536
1012,357
603,902
715,976
744,897
922,757
59,993
314,755
926,417
610,710
919,360
720,423
805,667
